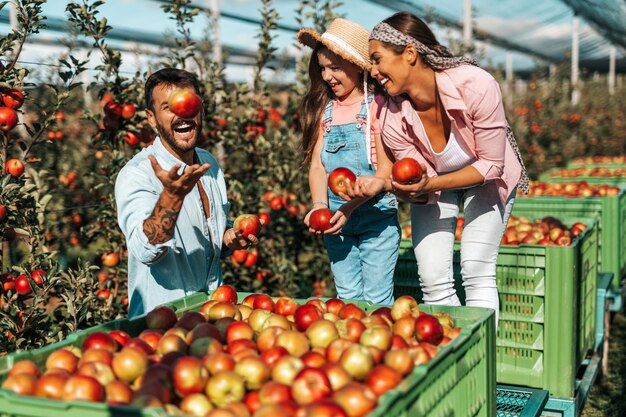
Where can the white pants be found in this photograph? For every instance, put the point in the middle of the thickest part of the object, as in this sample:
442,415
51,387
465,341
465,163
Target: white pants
433,227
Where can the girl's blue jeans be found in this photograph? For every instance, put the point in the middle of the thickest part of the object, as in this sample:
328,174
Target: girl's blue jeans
363,257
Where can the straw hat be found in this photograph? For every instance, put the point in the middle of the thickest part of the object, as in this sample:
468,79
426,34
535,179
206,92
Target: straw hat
344,38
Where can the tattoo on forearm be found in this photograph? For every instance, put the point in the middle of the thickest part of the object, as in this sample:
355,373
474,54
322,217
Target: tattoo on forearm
159,227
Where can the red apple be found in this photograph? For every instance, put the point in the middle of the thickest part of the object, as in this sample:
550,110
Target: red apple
247,224
357,360
400,360
218,362
321,333
83,388
13,98
13,167
128,110
404,306
62,359
189,376
184,103
350,329
305,315
38,275
382,379
196,405
334,305
100,340
129,364
263,302
22,384
310,385
356,399
225,387
254,371
8,118
320,219
428,329
22,285
52,385
406,171
225,293
340,179
24,366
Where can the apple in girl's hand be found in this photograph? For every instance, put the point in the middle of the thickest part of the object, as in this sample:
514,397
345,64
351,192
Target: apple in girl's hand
247,224
406,170
320,219
339,180
184,103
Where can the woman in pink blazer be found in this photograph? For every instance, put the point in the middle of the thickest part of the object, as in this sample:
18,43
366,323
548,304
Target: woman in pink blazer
446,113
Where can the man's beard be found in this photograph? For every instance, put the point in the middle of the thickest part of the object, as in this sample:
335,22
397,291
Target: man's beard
168,137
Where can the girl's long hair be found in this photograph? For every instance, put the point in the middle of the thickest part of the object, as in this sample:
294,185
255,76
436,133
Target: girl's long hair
312,105
314,101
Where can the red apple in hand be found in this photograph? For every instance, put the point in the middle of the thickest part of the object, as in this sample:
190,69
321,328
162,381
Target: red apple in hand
320,219
184,103
406,171
247,224
339,179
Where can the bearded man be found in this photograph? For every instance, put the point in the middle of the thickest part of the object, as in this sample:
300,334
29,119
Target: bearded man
172,205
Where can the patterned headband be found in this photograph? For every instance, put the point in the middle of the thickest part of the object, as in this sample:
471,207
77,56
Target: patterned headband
438,58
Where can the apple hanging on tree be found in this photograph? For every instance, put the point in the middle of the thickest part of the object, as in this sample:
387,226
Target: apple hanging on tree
8,118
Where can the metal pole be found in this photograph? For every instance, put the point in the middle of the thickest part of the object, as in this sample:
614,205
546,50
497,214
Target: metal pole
508,77
575,52
217,45
217,57
611,79
467,25
13,15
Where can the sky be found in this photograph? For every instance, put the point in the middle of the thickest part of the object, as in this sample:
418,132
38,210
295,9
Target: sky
544,24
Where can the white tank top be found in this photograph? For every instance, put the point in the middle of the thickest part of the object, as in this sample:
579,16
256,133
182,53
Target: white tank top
453,157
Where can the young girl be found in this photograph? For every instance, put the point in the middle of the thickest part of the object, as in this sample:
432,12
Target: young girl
340,129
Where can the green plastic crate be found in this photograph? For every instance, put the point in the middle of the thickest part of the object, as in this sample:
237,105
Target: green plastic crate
611,215
459,381
547,308
548,176
520,402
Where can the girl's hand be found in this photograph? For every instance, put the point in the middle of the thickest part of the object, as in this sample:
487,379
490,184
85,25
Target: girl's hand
307,220
366,187
235,240
338,221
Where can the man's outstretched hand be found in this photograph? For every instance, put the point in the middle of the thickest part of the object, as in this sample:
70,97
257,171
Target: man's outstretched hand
175,184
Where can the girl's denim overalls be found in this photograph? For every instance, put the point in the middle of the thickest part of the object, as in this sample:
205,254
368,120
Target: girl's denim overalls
363,255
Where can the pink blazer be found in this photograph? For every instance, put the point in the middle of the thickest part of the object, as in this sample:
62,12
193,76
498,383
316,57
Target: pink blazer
473,102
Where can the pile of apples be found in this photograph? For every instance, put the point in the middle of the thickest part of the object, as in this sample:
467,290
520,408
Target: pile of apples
571,189
262,357
547,231
589,172
621,159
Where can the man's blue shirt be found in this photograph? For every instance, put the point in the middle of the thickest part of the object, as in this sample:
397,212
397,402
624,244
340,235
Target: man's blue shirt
190,261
